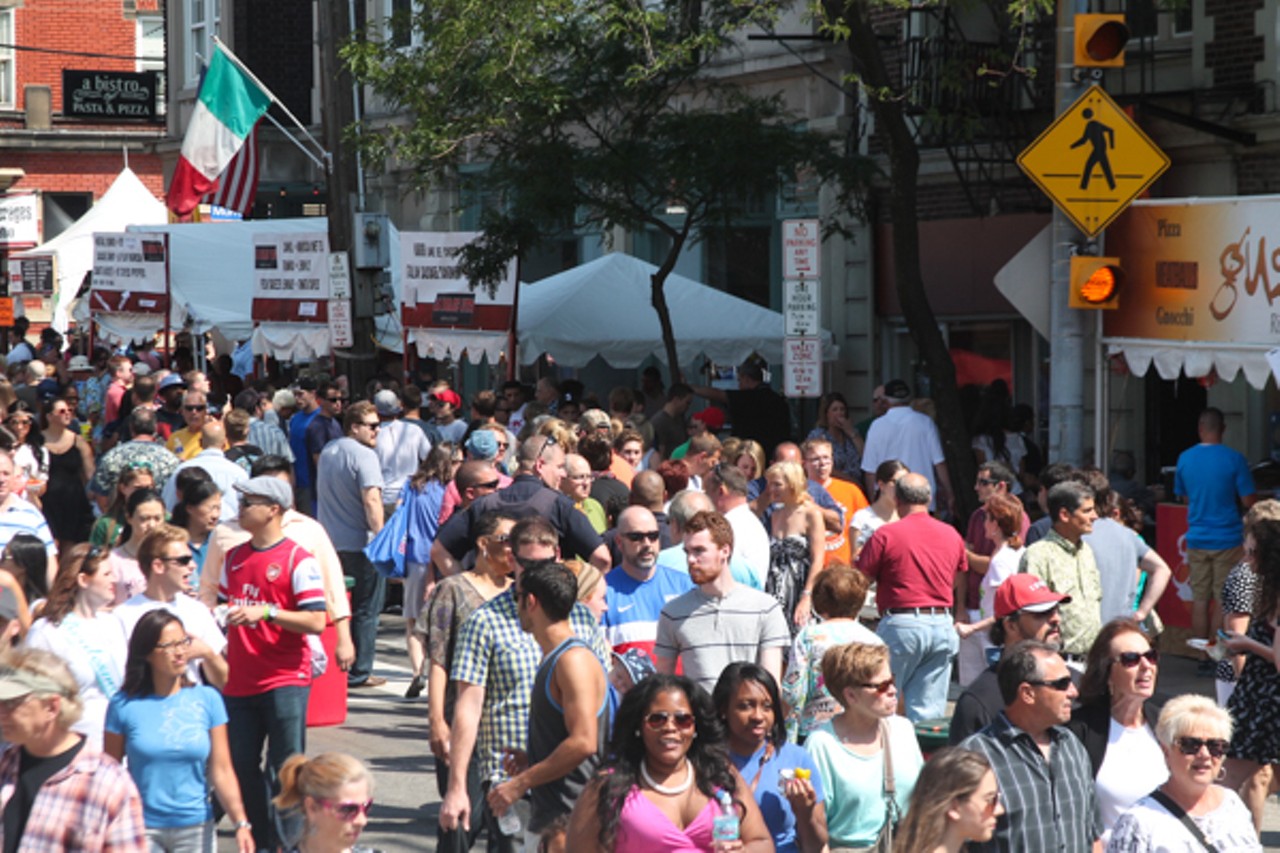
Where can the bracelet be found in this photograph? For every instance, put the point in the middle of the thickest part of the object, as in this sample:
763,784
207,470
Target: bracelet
242,824
270,615
806,593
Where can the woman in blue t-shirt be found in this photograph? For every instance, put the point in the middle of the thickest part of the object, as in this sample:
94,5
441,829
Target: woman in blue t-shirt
782,776
175,736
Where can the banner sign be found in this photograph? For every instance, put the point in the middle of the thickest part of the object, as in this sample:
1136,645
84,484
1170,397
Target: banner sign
37,274
291,278
110,95
130,272
1205,271
435,293
19,220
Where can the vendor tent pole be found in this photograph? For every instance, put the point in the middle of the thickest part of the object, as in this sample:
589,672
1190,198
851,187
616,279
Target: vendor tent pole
513,343
1101,413
168,306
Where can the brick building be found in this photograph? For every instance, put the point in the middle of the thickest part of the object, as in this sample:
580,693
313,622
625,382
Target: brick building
66,147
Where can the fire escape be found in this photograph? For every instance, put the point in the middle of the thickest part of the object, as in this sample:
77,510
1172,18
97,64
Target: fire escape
979,103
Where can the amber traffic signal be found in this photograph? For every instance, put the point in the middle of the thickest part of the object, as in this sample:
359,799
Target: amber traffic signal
1100,41
1095,282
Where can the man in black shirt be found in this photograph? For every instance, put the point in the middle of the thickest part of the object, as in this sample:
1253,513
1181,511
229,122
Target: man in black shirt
756,411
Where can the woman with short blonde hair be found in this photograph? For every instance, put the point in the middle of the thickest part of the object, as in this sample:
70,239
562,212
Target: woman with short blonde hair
334,794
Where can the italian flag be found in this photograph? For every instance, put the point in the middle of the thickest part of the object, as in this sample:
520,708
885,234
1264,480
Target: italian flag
229,105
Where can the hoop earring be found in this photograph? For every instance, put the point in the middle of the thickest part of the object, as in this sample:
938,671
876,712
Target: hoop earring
1222,773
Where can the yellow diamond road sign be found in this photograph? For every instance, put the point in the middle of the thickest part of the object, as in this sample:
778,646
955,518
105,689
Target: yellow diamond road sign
1093,161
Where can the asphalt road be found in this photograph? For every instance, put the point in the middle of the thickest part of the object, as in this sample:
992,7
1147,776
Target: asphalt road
389,733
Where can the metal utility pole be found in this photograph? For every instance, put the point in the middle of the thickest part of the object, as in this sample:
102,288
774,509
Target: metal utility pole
1066,341
338,112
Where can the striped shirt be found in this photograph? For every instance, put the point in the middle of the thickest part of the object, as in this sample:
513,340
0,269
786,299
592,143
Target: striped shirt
494,652
1049,806
707,633
23,517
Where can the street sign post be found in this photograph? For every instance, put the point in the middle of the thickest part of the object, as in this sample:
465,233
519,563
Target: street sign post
800,308
1093,161
801,241
802,367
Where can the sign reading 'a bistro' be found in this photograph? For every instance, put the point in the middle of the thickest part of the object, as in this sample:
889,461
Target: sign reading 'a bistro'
110,95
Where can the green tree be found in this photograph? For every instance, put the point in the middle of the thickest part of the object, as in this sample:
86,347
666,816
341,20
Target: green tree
583,116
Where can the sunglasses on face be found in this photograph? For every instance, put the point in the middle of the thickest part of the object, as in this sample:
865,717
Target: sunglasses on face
195,408
348,811
336,399
374,425
881,687
638,536
1060,684
492,484
658,720
1191,745
1131,659
184,560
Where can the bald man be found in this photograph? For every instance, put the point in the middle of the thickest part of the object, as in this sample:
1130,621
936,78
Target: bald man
648,491
638,588
224,473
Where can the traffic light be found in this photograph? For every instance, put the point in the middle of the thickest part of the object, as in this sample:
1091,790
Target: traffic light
1095,282
1100,41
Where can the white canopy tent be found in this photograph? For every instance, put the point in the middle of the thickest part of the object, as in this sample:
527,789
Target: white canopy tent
211,285
603,308
127,202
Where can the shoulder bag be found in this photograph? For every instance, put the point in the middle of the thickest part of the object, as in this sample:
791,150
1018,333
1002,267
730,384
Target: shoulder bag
884,840
1177,811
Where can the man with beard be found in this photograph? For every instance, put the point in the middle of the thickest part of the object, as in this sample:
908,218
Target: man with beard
639,588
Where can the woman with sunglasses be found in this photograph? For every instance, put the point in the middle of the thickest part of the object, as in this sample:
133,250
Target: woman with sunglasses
746,697
1116,717
1189,811
173,764
107,529
956,800
71,467
334,793
850,750
665,780
30,458
76,626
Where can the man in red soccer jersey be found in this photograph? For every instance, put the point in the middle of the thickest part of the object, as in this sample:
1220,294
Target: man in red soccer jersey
275,596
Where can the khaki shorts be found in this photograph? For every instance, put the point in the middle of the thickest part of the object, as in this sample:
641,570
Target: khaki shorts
1209,571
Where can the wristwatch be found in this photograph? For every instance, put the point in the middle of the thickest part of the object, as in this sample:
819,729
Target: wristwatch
243,824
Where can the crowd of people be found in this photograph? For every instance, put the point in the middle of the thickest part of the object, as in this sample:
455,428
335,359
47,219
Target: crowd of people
637,627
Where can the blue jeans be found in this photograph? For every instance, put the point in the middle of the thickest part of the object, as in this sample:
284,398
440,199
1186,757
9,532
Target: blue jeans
278,718
367,597
920,653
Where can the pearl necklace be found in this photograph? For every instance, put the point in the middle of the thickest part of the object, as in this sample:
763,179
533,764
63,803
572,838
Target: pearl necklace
673,791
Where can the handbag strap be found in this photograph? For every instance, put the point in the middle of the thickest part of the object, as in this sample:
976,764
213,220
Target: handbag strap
888,760
1177,811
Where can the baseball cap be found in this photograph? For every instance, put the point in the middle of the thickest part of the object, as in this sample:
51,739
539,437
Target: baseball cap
482,444
448,395
387,403
142,369
171,381
637,663
593,419
306,382
712,417
897,391
1026,592
273,489
20,682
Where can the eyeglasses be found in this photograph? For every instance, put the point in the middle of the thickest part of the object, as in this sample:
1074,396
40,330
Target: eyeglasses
492,484
244,502
1191,745
642,535
11,705
372,425
989,802
19,421
184,560
881,687
658,720
983,481
551,442
348,811
1060,684
336,399
1131,659
184,643
203,408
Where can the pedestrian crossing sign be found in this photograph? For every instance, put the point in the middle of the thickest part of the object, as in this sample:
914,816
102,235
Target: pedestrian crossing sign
1093,161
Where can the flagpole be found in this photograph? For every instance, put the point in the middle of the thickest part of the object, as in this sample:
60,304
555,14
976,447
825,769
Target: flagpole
313,158
218,43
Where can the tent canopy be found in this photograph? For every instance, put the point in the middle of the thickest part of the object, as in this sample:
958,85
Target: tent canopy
126,202
602,308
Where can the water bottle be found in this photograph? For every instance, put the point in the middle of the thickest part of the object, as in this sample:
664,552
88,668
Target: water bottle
726,825
509,822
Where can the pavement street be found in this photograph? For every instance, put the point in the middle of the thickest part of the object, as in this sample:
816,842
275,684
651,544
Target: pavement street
389,733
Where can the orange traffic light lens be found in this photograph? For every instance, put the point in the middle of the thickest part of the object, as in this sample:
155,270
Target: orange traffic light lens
1100,286
1107,41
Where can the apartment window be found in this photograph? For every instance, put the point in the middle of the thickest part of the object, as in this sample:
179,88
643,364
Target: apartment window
203,19
150,52
1183,18
399,17
7,73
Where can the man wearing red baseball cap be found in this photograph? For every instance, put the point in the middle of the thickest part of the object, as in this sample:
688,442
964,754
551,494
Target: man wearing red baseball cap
445,403
1025,609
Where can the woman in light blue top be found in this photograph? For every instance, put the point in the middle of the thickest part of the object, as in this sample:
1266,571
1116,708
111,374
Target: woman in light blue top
850,750
175,736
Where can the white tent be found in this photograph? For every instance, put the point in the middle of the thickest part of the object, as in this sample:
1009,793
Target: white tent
126,202
602,308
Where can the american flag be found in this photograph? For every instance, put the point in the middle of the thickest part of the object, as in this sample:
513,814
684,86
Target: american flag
238,185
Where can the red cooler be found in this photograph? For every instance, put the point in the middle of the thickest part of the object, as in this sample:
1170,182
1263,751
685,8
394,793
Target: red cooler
328,703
